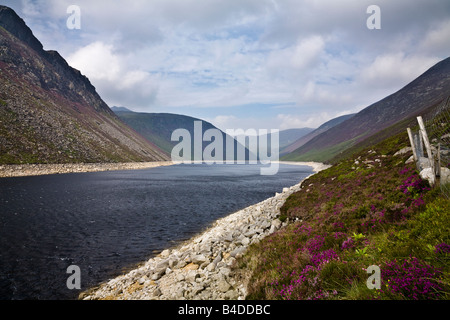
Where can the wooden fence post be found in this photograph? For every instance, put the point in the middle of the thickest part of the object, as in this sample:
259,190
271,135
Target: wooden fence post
411,140
427,146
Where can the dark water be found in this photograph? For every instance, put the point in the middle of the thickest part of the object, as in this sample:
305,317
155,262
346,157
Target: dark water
107,222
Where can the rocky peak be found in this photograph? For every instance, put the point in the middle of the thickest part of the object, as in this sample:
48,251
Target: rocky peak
15,25
51,113
60,75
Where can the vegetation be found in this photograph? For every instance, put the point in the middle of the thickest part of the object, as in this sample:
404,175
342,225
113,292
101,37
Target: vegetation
369,210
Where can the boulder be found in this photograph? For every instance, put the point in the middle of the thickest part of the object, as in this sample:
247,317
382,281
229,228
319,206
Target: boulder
427,174
445,175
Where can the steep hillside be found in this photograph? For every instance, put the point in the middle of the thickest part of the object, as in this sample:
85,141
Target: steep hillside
371,209
430,89
51,113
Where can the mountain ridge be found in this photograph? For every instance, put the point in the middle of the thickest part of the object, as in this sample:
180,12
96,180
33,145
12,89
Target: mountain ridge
51,113
430,88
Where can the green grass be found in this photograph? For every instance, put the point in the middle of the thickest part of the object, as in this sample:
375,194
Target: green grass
321,155
371,209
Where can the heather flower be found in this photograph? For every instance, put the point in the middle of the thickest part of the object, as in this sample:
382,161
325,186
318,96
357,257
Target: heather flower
442,248
412,279
348,244
324,256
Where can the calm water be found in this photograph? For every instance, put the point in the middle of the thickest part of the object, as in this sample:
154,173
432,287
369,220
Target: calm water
107,222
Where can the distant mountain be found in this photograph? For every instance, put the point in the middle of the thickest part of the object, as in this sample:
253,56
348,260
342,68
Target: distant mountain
289,136
120,109
158,128
51,113
428,90
303,140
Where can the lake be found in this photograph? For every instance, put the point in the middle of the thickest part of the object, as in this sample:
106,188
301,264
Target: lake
107,222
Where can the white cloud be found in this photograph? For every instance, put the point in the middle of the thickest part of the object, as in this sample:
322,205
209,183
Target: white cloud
397,69
437,40
294,61
113,76
317,56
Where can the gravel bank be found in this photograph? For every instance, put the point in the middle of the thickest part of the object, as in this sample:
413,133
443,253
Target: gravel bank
23,170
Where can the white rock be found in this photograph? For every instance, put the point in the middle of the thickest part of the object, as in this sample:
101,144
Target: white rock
165,253
403,151
427,174
445,175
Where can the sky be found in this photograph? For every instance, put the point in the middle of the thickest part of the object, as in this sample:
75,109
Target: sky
245,64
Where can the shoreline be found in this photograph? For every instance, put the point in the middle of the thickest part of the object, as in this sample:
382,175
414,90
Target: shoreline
317,166
204,266
27,170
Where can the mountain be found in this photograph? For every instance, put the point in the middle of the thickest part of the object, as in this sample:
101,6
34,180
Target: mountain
289,136
304,139
158,128
51,113
394,111
120,109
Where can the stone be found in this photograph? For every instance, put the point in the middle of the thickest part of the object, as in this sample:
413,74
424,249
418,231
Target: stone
403,151
427,174
238,251
223,286
245,241
276,224
198,259
445,175
191,266
410,160
191,276
180,277
231,295
197,289
163,264
142,280
165,253
158,274
157,292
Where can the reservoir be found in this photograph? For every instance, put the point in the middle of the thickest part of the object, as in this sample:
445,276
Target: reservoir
107,222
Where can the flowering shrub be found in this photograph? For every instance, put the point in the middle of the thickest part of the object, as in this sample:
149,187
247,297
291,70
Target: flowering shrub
411,280
414,187
306,285
442,248
348,244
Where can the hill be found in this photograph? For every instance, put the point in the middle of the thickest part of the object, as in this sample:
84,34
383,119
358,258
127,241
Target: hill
51,113
428,90
370,209
159,127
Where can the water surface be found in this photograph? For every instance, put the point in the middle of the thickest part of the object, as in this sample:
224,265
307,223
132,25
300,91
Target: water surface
107,222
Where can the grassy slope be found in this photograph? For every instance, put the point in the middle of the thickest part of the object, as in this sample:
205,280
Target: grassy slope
375,211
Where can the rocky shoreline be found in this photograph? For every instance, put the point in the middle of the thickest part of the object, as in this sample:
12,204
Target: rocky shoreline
203,268
23,170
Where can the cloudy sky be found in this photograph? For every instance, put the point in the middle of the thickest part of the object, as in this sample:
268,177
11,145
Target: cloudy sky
261,64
